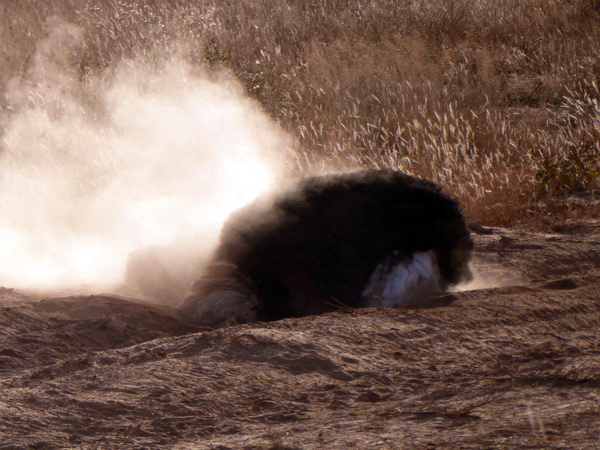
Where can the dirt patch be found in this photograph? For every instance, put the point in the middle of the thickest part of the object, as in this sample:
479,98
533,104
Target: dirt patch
514,362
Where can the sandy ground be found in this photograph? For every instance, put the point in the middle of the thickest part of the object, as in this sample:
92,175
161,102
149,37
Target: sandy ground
511,366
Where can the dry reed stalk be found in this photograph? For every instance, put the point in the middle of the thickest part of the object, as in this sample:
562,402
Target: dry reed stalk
479,96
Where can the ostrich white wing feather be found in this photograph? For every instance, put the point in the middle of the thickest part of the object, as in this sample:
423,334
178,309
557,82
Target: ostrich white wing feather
221,296
405,281
220,308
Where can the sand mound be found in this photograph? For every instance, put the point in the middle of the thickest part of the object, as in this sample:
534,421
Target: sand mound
495,366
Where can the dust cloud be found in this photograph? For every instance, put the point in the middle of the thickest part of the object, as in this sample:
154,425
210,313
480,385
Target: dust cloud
95,168
488,275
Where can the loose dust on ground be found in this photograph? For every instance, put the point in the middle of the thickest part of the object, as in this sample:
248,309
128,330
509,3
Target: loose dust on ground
516,365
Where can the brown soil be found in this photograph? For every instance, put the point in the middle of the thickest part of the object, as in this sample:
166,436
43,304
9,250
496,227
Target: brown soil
508,366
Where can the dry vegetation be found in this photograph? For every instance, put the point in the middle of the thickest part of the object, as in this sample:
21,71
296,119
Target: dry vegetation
498,100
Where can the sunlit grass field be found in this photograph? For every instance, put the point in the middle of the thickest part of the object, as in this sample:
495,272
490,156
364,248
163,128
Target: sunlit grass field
496,100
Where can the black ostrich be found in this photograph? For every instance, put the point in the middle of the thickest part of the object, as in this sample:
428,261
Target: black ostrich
367,238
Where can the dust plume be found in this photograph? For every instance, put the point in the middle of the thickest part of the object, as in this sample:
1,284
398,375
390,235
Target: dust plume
488,275
94,168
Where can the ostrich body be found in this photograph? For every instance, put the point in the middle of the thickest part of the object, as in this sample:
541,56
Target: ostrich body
367,238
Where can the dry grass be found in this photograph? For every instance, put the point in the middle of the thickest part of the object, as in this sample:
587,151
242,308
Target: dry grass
497,100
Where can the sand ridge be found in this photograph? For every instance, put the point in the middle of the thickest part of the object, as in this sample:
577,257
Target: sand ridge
514,365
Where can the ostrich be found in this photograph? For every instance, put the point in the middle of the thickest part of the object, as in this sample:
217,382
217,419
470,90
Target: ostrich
359,239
